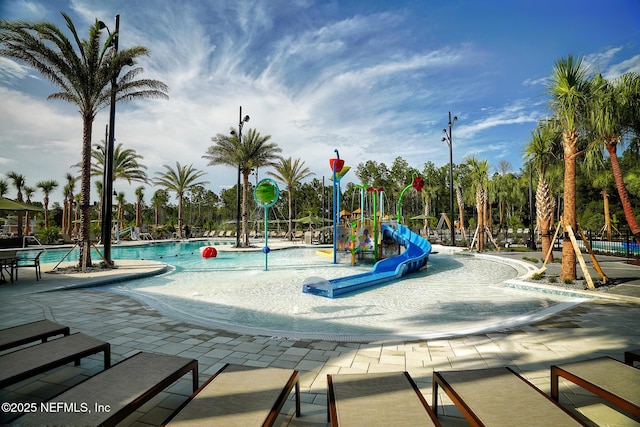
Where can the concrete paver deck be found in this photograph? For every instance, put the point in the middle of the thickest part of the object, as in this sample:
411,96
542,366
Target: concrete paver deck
598,327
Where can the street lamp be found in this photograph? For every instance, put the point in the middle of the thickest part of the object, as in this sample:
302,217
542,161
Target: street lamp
107,186
241,123
448,139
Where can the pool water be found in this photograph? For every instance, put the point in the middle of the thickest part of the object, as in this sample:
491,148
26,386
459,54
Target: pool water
454,295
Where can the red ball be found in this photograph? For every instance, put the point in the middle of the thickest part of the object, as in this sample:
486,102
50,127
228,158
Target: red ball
209,252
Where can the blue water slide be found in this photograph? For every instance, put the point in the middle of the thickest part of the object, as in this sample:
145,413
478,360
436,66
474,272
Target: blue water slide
412,259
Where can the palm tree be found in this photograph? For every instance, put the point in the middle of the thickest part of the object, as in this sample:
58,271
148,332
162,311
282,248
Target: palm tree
4,187
67,213
290,173
84,76
46,187
139,197
125,164
570,89
158,200
254,151
180,180
18,182
480,176
614,105
120,198
543,150
28,192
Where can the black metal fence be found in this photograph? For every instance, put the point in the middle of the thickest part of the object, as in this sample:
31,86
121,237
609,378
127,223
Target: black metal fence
625,245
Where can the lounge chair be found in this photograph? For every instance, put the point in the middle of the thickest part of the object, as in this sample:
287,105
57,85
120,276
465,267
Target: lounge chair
30,262
499,397
605,377
27,362
239,396
382,399
125,387
30,332
631,356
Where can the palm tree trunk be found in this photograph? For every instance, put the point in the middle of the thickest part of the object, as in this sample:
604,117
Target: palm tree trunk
290,221
245,207
544,208
569,144
85,193
179,233
607,213
622,192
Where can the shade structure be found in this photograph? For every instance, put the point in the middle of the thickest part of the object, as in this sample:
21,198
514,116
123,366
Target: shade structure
12,205
313,220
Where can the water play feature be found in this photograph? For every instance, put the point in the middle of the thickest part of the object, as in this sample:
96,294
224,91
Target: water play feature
413,258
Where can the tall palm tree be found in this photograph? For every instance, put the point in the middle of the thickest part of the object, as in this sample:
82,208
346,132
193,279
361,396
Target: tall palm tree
84,77
254,151
159,199
68,190
125,164
28,192
290,172
614,105
46,187
570,89
120,199
18,183
139,197
543,150
480,176
179,180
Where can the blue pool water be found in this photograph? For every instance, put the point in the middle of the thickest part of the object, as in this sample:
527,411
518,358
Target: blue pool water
453,295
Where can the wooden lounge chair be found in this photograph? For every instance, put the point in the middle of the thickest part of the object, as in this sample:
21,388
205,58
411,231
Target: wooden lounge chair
605,377
499,397
125,387
382,399
27,362
239,396
30,332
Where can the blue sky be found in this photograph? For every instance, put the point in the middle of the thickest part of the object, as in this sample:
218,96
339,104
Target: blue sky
374,79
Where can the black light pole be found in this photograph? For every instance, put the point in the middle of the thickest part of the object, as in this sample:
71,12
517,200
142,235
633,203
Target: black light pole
242,121
447,138
107,187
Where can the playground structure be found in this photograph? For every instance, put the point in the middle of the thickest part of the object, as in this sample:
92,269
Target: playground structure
414,257
373,235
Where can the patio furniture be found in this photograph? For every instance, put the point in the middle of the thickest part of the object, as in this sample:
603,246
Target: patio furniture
27,362
29,332
631,356
608,378
114,394
239,396
8,260
30,262
382,399
499,397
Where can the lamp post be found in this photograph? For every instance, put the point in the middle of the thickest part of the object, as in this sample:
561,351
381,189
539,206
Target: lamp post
448,139
241,123
107,187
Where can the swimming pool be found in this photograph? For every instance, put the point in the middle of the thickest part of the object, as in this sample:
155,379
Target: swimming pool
456,294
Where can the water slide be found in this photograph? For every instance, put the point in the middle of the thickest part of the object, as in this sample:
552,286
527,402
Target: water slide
412,259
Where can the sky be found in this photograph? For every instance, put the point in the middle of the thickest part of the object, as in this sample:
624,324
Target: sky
372,79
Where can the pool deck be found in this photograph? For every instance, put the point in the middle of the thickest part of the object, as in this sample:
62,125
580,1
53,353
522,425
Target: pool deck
603,326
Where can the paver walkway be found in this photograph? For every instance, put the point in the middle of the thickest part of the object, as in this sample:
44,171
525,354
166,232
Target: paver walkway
599,327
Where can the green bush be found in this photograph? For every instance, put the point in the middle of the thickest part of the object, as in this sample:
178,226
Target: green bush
48,236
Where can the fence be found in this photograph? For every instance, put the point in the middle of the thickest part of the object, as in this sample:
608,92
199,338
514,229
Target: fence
625,245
